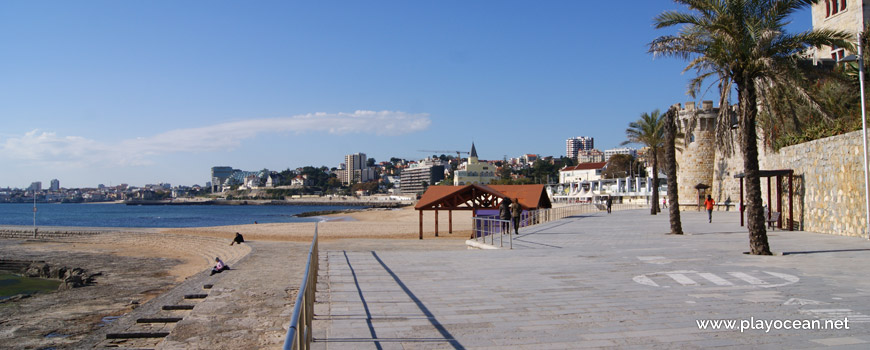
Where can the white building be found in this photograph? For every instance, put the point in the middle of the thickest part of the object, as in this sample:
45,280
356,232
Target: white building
614,151
575,144
581,172
356,169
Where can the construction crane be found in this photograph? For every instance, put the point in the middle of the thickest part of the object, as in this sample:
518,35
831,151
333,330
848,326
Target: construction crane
458,153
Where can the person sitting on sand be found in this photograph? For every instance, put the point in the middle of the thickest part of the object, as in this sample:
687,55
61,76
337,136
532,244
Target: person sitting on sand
238,239
219,266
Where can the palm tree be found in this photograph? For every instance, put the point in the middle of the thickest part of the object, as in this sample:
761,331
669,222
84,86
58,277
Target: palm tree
649,131
742,44
670,147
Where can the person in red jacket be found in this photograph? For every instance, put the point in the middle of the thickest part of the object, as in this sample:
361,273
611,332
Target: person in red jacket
709,205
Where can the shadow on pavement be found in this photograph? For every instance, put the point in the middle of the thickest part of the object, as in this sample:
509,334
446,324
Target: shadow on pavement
826,251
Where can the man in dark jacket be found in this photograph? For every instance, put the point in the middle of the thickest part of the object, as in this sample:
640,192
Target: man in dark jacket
504,213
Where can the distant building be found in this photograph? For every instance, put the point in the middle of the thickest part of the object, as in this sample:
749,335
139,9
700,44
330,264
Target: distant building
473,171
590,156
274,179
357,171
55,185
219,175
529,158
301,181
576,144
614,151
429,171
581,172
35,186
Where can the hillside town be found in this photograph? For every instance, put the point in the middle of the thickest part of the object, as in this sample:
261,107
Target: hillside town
359,175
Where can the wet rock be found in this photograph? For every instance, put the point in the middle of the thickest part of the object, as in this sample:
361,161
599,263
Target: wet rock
56,272
71,282
37,269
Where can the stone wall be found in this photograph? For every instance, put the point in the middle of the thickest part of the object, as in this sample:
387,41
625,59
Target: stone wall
829,183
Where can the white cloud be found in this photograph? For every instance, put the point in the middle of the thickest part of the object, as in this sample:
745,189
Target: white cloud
49,148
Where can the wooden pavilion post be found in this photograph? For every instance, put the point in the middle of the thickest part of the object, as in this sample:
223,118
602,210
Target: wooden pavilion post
779,200
450,221
769,204
790,201
436,222
473,211
742,207
421,224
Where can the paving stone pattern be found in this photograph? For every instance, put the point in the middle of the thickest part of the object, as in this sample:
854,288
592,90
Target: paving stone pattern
583,282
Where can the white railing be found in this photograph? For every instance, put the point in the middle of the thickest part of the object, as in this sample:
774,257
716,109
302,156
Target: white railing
299,334
490,227
487,226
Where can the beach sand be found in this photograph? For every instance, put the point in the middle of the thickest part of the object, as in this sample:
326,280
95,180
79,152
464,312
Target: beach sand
365,224
137,265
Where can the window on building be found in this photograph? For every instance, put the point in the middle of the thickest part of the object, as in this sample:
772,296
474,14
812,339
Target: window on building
837,54
833,7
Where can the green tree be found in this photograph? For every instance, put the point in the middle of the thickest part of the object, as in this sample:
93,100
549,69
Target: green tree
742,44
649,131
542,171
504,172
619,165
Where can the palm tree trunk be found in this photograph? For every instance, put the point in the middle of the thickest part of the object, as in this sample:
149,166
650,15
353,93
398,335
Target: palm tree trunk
654,208
758,244
671,168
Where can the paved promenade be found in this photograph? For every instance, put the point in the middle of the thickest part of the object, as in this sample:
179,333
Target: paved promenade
600,281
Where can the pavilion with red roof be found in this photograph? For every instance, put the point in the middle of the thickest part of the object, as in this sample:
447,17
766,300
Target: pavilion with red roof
476,196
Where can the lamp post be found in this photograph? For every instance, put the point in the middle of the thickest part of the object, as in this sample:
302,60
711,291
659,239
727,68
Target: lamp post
860,62
34,212
864,136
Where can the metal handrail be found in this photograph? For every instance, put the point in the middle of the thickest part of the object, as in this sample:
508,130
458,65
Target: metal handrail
485,226
303,311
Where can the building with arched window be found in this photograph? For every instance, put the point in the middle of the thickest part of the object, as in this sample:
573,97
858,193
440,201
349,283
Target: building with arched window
473,171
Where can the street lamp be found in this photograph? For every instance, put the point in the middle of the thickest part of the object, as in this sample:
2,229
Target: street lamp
860,62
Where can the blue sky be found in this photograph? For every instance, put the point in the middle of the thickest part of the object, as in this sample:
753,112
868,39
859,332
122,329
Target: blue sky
139,92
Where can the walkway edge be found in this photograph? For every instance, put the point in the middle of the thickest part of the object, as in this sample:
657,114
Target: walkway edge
477,245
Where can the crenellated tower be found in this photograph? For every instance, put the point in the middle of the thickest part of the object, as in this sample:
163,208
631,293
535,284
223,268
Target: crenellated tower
697,156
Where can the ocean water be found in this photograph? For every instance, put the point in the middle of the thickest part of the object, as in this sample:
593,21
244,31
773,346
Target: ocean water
121,215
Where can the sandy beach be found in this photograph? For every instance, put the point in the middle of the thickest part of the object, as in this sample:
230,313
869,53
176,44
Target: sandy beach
365,224
137,265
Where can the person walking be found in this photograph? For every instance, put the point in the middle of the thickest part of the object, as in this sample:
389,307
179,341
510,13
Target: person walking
709,203
504,213
516,211
609,203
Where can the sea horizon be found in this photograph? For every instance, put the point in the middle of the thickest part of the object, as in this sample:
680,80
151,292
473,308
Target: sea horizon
119,215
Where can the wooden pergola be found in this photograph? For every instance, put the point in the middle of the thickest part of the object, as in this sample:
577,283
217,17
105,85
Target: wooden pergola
474,197
779,174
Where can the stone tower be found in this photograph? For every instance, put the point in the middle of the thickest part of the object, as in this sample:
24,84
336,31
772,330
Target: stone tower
695,161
